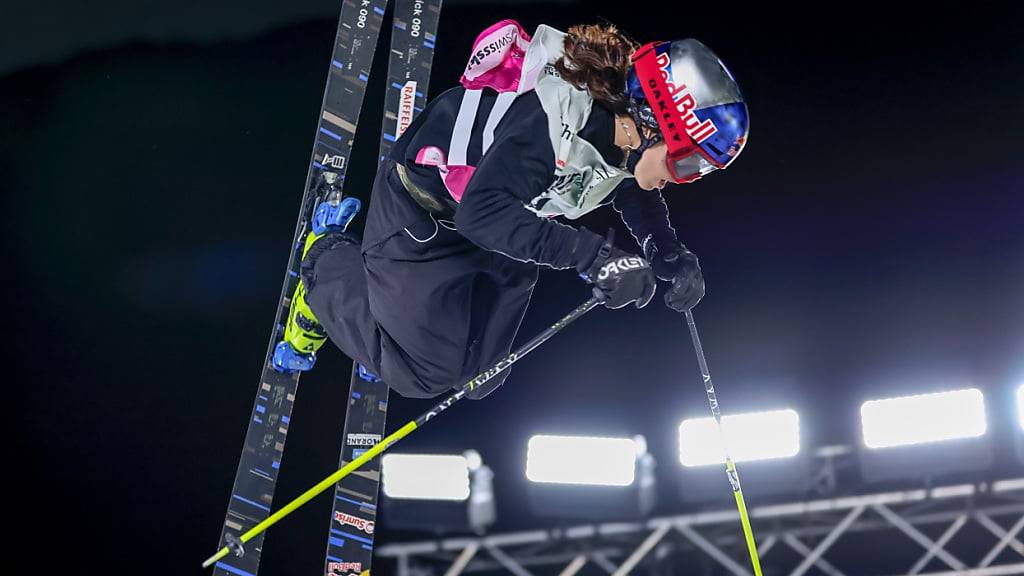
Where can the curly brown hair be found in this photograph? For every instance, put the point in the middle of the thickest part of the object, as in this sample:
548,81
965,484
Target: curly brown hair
596,59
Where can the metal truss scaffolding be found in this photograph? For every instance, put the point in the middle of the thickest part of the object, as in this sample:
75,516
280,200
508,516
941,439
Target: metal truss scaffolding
963,529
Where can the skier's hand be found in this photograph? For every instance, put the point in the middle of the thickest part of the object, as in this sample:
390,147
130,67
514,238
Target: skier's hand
620,278
681,267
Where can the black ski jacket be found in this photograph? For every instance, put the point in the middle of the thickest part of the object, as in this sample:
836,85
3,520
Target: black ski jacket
520,165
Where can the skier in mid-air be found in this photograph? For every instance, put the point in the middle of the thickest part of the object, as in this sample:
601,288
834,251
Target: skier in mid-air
461,212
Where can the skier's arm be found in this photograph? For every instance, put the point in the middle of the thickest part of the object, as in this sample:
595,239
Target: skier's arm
493,214
645,214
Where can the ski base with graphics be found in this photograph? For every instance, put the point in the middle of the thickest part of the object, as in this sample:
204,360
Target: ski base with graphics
253,491
354,514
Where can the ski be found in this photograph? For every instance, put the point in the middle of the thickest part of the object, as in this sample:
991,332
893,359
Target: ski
253,490
354,514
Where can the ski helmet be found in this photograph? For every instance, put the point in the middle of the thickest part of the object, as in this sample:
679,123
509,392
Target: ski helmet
687,96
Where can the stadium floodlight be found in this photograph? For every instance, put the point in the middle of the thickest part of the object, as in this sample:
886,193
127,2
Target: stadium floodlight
440,493
590,478
426,476
925,436
923,418
583,460
1020,406
1020,420
766,443
749,437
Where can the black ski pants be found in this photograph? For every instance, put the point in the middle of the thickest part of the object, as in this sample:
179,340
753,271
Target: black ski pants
418,304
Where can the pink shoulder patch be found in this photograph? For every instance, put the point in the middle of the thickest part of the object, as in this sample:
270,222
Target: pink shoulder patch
431,156
497,59
455,178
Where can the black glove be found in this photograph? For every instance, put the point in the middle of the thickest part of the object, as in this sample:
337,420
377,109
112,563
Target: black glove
680,267
619,277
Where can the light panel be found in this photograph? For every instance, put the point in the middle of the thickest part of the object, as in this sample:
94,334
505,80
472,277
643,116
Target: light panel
751,436
582,460
425,476
923,418
1020,406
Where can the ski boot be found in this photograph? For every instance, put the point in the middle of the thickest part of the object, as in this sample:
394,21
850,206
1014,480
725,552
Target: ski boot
303,334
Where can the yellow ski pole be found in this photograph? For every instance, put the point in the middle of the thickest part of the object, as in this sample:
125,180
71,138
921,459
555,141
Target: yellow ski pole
730,466
402,432
315,490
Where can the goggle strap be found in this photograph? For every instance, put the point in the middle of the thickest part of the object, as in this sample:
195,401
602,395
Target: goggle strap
660,99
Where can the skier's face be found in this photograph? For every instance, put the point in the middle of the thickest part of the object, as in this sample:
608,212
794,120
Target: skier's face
652,171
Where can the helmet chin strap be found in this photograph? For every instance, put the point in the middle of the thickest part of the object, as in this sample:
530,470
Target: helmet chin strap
633,158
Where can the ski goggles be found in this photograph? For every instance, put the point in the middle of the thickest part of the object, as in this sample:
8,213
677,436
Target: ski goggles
697,106
689,164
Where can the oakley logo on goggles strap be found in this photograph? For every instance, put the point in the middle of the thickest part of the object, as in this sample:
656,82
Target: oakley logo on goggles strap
673,107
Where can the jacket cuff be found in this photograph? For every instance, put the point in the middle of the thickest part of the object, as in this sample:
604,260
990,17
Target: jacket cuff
585,251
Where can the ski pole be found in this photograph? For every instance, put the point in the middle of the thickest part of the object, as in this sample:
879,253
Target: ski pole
404,431
730,466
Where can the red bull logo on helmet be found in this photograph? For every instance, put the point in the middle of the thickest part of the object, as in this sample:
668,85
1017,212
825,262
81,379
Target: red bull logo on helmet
684,102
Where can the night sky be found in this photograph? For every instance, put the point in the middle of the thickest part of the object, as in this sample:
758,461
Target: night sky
868,243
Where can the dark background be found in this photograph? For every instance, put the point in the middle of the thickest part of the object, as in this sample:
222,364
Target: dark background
152,159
